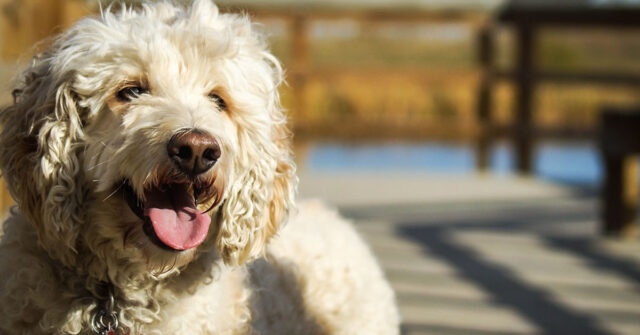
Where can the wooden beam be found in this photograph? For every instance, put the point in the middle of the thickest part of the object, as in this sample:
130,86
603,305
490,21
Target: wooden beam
301,62
620,195
592,16
623,79
523,139
620,144
485,90
392,13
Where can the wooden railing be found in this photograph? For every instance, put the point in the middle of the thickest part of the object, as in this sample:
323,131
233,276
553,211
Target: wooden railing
300,16
23,23
527,22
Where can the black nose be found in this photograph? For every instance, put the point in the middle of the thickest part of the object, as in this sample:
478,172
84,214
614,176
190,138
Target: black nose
194,152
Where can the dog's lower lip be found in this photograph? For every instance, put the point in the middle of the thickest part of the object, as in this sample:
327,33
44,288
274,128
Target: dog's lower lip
132,200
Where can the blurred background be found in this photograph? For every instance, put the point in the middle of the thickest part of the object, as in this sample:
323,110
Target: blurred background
486,149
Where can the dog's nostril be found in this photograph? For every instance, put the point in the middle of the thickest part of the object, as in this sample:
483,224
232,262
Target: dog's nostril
185,152
211,154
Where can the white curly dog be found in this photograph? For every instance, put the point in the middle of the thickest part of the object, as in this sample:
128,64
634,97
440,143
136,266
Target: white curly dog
149,157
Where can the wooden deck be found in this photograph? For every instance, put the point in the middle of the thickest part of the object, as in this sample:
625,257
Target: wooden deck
477,255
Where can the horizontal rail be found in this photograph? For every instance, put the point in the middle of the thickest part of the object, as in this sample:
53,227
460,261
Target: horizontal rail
568,17
377,14
571,77
377,72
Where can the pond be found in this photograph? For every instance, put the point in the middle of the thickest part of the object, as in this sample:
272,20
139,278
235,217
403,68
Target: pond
564,162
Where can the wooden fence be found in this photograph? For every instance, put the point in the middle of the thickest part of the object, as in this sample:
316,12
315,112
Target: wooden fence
300,17
23,23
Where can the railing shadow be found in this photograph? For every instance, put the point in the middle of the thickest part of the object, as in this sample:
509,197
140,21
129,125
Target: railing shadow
566,229
534,304
595,257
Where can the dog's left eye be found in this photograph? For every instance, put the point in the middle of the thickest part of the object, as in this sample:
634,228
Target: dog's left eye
130,93
222,105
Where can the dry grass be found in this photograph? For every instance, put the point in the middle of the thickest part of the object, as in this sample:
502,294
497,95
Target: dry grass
370,85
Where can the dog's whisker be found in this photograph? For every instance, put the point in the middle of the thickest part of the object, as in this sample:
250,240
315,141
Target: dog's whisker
97,157
98,164
114,191
146,179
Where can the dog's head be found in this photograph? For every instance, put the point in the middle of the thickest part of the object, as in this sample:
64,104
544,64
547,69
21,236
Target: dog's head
146,135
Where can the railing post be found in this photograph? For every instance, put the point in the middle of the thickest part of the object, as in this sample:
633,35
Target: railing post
619,147
484,102
620,194
300,62
523,130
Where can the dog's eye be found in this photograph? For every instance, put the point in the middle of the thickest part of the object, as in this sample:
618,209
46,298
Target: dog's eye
222,105
130,93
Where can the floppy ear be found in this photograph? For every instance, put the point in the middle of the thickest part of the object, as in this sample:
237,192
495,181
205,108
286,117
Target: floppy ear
258,203
39,147
261,196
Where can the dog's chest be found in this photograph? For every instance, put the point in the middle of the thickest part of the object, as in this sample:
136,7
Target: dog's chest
221,307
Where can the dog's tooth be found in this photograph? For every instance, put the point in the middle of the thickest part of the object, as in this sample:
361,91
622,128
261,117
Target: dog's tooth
195,194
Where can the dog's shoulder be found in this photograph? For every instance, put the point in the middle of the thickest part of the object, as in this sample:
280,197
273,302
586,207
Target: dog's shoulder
17,239
328,265
31,290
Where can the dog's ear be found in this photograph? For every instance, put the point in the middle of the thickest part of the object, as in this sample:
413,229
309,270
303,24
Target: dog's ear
39,146
261,196
258,203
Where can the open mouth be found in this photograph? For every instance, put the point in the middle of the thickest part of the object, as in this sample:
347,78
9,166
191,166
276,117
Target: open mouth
170,215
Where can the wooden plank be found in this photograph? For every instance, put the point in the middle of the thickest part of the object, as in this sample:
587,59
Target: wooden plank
619,143
523,135
619,129
619,195
526,245
624,79
427,75
300,27
593,16
484,102
367,12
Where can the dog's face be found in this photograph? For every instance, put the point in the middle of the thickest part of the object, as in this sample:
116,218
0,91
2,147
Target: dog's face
147,136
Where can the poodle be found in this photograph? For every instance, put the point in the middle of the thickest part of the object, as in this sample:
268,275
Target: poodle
148,155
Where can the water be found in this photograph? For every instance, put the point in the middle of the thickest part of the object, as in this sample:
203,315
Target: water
563,162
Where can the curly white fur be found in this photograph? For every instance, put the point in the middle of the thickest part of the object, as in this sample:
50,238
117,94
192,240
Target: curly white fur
68,143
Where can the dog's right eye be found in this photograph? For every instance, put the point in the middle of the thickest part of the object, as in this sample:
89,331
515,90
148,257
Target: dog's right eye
130,93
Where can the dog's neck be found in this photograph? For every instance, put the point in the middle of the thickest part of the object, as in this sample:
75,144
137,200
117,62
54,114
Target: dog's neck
85,283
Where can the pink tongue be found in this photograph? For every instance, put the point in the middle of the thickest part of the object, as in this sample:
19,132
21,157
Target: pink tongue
175,219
